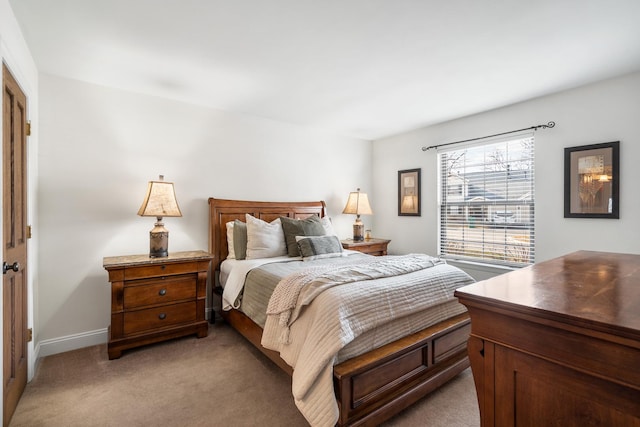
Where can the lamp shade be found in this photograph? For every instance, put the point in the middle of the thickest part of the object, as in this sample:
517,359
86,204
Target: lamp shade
160,200
358,204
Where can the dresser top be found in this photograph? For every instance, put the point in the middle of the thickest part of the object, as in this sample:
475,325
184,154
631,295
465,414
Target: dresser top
132,260
599,290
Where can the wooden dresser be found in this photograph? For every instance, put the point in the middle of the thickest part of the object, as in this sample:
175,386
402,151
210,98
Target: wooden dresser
558,343
155,299
376,247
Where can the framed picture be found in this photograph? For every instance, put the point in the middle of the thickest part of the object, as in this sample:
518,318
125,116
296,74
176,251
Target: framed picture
592,181
409,192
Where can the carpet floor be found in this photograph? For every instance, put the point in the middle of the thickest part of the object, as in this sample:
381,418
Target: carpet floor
220,380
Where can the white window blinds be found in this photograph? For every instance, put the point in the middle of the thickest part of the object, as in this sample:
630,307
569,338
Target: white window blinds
487,202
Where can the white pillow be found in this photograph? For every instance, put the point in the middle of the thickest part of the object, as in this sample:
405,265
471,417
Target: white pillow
328,227
232,252
264,240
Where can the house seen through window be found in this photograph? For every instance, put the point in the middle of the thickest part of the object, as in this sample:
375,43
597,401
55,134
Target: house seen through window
487,200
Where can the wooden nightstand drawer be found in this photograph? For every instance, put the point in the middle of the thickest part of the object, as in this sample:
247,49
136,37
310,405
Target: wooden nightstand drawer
162,290
158,270
159,317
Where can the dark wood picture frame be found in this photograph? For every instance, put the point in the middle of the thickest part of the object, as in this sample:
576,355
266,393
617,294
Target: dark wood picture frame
409,192
592,181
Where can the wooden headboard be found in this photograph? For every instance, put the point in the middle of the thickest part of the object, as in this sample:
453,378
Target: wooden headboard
222,211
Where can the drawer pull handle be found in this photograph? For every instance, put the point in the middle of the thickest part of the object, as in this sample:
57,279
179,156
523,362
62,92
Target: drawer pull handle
162,292
162,316
163,267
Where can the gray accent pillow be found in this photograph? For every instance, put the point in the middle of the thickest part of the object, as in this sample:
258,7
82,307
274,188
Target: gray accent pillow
316,247
240,239
311,226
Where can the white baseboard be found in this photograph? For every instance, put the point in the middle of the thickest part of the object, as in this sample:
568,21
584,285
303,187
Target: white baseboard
81,340
71,342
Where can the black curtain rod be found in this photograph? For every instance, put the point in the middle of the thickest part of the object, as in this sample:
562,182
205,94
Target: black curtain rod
548,125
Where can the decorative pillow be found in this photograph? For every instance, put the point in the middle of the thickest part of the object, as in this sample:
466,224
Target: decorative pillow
317,247
231,252
311,226
264,239
328,226
240,239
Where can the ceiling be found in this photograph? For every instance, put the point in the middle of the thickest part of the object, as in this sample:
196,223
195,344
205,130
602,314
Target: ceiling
363,68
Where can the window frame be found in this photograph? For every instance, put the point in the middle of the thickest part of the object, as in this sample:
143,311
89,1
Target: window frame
486,213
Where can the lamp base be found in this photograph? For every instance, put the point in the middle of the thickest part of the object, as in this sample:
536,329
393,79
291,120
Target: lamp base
159,241
358,231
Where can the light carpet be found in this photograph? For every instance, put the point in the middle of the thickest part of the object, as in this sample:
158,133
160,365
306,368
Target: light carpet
220,380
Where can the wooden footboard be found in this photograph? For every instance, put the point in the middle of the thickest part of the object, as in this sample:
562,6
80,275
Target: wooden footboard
373,387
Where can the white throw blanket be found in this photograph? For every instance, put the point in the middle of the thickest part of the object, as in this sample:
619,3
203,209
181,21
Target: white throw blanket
339,314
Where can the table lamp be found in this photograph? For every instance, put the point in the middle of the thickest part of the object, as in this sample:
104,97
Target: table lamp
160,201
358,204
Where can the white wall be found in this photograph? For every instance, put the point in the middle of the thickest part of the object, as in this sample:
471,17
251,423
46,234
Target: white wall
602,112
15,53
100,147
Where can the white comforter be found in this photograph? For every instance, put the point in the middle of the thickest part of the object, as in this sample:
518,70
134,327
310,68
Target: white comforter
339,314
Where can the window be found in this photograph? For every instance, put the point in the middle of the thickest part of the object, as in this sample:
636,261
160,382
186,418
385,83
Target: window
487,202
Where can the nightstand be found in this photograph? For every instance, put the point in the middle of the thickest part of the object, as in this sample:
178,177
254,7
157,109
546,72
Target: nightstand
156,299
371,246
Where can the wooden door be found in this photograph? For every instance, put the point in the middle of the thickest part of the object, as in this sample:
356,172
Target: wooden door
14,210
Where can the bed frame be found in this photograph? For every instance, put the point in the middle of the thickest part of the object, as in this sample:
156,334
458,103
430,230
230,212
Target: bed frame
373,387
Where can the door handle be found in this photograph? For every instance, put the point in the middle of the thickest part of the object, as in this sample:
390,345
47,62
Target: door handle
6,267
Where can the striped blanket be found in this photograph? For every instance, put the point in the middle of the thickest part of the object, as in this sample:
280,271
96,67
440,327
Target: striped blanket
321,311
298,290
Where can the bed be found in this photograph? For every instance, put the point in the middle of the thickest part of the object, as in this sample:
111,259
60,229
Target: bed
370,386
